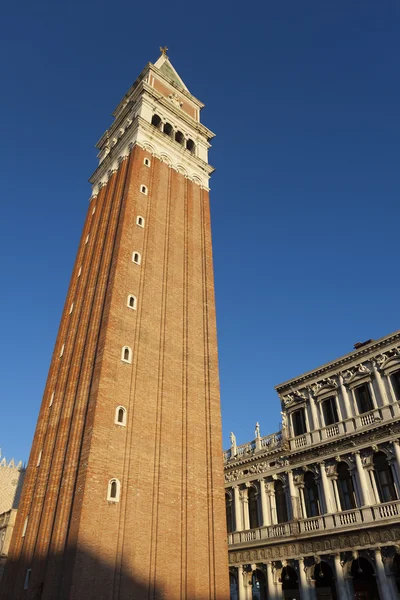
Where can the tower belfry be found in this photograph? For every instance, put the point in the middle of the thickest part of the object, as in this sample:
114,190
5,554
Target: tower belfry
123,495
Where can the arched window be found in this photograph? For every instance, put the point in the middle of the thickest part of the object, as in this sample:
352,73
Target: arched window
259,585
384,478
146,162
190,145
290,585
113,492
364,579
156,121
325,580
299,422
140,221
180,138
330,411
126,354
168,129
345,486
253,508
144,189
363,397
120,415
395,379
311,495
136,258
280,499
229,513
131,302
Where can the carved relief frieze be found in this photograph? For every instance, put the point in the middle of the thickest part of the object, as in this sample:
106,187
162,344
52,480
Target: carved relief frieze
332,544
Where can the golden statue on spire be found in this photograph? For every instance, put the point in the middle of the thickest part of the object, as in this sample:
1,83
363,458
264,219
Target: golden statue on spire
163,50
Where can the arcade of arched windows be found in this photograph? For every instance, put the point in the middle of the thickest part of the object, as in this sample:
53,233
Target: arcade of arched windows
175,134
372,574
370,478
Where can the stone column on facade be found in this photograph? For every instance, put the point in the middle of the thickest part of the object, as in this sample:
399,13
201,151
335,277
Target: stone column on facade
363,487
245,508
272,502
242,592
294,499
336,493
302,502
384,587
396,463
327,490
265,512
345,397
371,474
271,587
304,588
314,413
379,382
341,590
237,508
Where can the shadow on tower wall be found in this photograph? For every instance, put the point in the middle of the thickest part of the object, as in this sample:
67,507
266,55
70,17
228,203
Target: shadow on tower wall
86,577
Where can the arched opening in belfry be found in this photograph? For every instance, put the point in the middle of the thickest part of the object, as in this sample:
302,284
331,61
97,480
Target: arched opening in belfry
258,585
156,121
345,486
290,584
384,478
325,586
311,495
190,145
281,504
180,138
168,129
364,579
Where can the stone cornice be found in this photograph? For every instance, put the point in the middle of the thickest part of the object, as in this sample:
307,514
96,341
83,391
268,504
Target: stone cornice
363,353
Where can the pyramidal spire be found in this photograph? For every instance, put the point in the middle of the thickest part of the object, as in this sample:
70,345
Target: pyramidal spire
164,65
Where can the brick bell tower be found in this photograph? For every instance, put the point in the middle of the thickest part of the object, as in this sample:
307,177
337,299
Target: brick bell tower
123,495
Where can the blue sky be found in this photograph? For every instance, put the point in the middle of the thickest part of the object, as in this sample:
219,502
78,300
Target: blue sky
303,97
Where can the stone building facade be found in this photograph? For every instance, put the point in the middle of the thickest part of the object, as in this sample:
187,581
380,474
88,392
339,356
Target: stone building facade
313,511
11,480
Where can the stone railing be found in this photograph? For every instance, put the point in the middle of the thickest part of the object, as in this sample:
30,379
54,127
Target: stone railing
268,442
356,423
346,519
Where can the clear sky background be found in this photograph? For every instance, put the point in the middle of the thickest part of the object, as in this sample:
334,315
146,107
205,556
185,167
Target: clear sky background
304,98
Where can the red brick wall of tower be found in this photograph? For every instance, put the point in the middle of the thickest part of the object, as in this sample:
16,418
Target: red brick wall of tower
166,537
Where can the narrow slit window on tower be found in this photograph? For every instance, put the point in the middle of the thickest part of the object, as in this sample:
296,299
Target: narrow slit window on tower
25,526
94,210
190,145
144,189
180,138
51,399
146,162
39,459
126,354
136,258
131,302
62,350
27,579
71,308
120,416
113,492
87,239
80,271
140,221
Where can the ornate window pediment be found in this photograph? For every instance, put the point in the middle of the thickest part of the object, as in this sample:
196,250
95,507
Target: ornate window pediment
324,387
389,363
356,375
294,398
